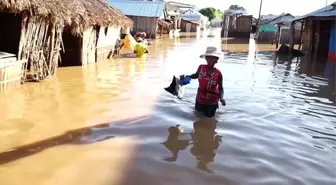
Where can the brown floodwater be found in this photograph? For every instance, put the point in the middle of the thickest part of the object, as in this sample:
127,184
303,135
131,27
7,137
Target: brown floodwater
111,123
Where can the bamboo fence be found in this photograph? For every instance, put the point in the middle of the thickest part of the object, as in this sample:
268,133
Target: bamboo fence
40,45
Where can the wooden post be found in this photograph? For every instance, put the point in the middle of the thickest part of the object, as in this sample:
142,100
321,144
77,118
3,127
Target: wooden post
22,36
223,27
51,47
259,17
21,45
161,30
301,35
316,40
311,42
291,36
278,37
179,23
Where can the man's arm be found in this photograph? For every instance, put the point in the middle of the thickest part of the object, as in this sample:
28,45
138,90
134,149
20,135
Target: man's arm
195,75
221,88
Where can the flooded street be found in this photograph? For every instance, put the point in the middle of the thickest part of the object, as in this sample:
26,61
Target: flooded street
107,124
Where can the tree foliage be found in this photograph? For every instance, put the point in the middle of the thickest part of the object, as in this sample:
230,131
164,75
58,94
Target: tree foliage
236,7
211,13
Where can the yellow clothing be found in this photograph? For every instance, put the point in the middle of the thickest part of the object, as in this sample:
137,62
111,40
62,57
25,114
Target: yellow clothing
129,42
140,49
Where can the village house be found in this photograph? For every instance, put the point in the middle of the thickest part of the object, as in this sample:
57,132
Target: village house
97,40
148,16
194,22
276,30
318,37
236,25
269,25
182,24
34,39
190,26
282,35
172,14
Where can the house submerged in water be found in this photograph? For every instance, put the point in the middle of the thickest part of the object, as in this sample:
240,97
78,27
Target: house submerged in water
318,33
318,37
277,29
236,23
151,17
39,34
194,22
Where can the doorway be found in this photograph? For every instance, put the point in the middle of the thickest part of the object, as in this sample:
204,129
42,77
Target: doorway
323,48
188,27
10,33
71,56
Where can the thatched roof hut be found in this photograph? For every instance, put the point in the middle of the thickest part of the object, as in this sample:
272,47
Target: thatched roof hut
78,14
34,28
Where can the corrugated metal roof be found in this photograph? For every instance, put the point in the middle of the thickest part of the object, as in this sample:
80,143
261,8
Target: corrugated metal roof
192,15
328,11
139,8
279,19
230,11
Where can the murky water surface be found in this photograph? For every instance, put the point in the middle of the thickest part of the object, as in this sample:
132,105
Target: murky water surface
109,123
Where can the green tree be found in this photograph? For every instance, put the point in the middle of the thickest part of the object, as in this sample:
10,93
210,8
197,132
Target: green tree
211,13
236,7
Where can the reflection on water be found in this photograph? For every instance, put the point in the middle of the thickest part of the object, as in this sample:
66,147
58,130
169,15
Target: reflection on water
205,143
203,139
108,122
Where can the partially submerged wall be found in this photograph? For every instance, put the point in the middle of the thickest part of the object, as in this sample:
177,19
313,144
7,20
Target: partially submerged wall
89,46
106,41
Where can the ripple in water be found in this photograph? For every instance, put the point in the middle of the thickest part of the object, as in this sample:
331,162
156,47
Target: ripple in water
278,126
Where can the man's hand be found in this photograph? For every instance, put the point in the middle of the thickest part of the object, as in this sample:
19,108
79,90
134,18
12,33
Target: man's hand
182,76
223,102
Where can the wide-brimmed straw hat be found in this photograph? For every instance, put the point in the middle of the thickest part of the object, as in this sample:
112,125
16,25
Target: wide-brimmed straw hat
212,51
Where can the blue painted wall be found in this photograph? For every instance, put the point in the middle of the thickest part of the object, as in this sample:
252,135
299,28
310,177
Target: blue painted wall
332,41
330,67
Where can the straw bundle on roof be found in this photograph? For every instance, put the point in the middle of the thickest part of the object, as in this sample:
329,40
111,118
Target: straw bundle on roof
78,14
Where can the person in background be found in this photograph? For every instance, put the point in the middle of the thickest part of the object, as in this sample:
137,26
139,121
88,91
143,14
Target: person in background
117,47
210,90
140,48
141,35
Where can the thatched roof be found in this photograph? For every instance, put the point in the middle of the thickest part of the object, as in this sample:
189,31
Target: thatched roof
79,14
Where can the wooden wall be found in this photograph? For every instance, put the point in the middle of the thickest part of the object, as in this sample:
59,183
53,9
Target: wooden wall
324,32
307,36
244,24
95,45
284,36
145,24
11,73
237,26
193,26
316,36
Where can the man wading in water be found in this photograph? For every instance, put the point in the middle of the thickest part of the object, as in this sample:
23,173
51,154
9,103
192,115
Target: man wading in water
210,90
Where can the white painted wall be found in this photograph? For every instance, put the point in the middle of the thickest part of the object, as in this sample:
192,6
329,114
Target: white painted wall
110,38
89,46
106,42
